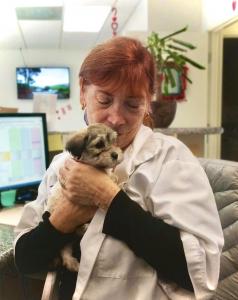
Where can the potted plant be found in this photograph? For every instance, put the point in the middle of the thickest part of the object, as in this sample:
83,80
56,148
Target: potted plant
171,61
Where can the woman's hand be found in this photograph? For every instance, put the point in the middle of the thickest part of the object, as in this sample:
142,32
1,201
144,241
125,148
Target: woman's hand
87,185
67,216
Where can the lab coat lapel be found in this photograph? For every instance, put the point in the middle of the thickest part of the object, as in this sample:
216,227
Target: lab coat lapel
90,246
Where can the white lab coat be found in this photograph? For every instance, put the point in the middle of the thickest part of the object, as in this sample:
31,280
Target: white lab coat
162,176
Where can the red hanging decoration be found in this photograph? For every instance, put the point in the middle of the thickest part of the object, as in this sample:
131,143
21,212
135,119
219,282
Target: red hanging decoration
114,24
234,5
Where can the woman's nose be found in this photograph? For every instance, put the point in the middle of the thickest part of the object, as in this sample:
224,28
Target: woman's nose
116,116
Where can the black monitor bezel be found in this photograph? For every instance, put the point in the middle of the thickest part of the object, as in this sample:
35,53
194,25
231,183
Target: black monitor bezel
45,137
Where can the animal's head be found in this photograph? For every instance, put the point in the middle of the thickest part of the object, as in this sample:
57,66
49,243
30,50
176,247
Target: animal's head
95,145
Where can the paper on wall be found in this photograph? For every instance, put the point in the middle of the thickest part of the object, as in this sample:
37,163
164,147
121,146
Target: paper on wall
46,103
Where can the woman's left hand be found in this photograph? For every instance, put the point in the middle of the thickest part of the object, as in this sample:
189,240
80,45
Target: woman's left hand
87,185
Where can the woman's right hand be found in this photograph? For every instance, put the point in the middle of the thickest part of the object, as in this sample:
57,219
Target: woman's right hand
67,216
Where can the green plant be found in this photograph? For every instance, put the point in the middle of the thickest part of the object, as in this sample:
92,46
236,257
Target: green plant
169,53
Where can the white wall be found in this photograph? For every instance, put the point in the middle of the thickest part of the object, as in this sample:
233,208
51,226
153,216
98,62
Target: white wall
194,112
10,59
170,15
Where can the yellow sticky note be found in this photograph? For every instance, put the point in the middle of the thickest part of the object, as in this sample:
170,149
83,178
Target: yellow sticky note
55,142
5,156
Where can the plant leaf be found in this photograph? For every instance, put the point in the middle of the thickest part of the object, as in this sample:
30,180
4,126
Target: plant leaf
171,79
175,33
165,88
193,63
187,78
176,48
185,44
176,58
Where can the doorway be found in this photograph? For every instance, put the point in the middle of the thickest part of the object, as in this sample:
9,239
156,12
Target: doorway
229,139
220,109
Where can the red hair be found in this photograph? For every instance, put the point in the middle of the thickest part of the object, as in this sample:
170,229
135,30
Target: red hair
121,62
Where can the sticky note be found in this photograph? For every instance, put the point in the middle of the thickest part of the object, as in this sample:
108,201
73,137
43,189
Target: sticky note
55,142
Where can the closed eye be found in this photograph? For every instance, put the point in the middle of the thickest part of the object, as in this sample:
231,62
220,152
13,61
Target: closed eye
100,144
104,98
133,106
134,103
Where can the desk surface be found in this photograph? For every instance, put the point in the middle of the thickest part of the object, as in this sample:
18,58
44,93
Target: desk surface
11,215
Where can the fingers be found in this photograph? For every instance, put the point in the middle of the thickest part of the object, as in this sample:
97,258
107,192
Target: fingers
69,163
63,172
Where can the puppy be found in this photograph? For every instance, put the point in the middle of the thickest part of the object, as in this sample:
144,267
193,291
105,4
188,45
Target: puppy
94,145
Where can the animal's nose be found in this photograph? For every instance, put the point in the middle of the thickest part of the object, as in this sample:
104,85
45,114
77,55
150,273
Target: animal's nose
114,155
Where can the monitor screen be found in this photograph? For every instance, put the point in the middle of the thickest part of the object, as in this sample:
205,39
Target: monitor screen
50,80
23,149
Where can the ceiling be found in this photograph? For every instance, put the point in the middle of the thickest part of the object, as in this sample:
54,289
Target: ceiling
42,27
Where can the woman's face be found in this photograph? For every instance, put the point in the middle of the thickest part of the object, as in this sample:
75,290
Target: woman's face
122,112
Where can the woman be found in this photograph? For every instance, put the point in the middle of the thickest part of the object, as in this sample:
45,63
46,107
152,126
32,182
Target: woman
158,235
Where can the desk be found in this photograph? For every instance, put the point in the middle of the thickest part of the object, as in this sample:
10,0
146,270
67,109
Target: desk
11,215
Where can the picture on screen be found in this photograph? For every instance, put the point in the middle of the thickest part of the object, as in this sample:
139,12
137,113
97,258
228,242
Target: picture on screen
52,80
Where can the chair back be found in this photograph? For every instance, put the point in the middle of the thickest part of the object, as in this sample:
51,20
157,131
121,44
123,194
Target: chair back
223,177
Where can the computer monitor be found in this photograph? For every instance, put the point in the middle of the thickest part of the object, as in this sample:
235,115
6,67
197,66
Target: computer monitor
23,150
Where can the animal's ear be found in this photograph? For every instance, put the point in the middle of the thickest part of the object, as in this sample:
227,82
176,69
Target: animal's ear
77,144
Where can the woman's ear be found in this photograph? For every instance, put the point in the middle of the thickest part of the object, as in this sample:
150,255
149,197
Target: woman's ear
147,108
148,119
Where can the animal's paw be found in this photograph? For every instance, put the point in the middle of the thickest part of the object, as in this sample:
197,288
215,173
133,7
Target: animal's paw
71,263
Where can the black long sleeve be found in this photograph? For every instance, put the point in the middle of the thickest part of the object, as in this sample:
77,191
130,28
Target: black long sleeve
150,238
36,249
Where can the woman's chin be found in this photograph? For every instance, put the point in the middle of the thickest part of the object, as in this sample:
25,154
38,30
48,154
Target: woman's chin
122,141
